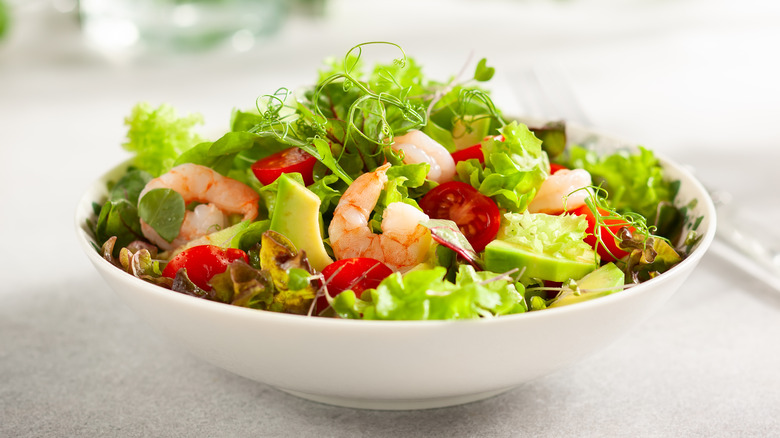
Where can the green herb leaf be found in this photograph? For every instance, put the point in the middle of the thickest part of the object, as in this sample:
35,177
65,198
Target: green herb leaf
163,210
483,73
118,218
130,186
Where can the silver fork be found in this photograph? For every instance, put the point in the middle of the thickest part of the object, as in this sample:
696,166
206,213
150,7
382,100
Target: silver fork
546,94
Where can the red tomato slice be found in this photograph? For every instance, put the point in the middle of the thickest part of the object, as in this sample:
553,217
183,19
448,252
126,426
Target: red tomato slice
356,274
476,215
609,244
203,262
287,161
468,153
556,167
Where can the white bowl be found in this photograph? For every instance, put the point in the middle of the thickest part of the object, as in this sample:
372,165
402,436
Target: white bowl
399,364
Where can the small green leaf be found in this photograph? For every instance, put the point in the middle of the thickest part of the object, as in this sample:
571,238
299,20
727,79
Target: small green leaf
483,73
163,210
118,218
130,186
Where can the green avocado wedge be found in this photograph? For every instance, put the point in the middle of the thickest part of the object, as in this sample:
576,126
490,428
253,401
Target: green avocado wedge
541,247
603,281
502,256
297,217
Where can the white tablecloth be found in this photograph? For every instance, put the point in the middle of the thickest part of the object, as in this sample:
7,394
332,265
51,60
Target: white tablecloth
695,80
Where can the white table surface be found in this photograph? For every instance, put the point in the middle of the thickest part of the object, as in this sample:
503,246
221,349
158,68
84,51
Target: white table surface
695,80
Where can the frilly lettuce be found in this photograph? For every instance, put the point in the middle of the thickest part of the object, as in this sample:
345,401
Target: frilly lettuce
514,168
425,295
559,236
158,136
634,181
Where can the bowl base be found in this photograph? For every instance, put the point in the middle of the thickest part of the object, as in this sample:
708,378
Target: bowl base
397,404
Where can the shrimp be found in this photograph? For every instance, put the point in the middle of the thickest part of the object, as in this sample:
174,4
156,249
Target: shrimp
403,243
552,196
196,183
419,148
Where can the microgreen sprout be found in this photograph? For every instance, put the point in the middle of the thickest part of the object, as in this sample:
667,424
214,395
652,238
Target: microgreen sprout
409,111
598,205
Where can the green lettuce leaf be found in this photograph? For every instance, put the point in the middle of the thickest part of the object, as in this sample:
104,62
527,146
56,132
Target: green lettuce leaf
635,182
553,235
513,170
118,216
158,136
426,295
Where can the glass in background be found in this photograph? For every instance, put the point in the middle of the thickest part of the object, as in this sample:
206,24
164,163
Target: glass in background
179,25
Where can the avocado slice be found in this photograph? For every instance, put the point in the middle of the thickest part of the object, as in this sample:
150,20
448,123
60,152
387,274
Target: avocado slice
502,256
297,217
601,282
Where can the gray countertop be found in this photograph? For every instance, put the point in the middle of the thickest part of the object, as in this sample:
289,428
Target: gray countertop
74,361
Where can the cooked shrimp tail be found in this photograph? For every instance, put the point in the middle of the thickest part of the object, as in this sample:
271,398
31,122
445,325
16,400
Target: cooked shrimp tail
565,190
403,243
220,196
418,147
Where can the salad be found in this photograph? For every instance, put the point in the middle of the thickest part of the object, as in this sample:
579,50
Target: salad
380,193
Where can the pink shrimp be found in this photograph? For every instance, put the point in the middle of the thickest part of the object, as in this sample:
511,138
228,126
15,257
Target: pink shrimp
560,192
419,148
403,243
220,195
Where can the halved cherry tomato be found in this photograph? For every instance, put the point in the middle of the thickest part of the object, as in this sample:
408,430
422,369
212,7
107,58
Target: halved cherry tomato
556,167
609,244
476,215
356,274
468,153
287,161
203,262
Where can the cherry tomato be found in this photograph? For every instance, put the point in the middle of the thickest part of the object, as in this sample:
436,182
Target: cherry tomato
556,167
609,244
287,161
468,153
203,262
474,151
476,215
356,274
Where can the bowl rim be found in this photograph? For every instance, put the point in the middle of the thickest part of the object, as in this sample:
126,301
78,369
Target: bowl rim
83,212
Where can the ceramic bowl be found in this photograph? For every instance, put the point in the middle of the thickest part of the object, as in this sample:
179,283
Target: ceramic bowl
400,364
